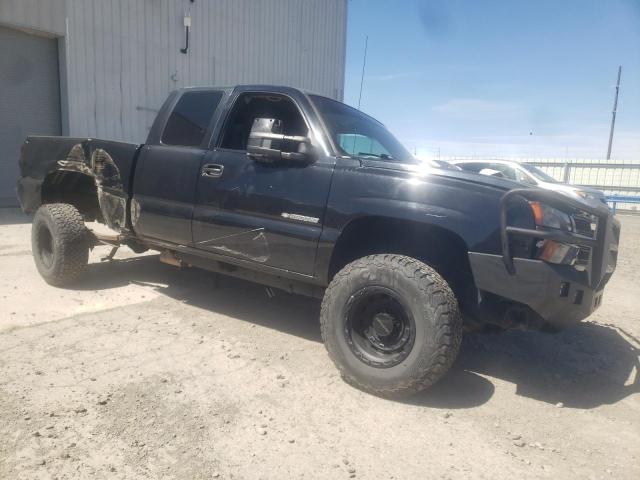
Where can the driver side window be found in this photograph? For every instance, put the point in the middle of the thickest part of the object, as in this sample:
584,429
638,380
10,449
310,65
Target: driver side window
250,106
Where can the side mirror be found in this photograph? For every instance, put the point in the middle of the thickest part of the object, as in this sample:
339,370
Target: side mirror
268,144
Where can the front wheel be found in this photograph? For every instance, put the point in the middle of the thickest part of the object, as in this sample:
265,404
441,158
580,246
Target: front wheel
60,243
391,324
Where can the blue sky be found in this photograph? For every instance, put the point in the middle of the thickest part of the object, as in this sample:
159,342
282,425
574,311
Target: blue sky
489,77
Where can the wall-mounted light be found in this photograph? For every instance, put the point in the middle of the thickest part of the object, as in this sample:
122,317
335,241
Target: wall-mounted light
187,25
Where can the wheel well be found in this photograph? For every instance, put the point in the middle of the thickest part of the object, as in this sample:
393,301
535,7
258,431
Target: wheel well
438,247
77,189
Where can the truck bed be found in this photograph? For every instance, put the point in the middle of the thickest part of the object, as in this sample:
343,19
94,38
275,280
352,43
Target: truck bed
79,165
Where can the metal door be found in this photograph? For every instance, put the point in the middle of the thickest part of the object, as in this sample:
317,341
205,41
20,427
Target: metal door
29,99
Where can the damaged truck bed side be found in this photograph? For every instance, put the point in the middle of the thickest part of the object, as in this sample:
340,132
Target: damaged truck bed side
96,173
303,193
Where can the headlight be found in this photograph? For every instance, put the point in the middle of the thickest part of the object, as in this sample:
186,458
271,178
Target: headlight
546,216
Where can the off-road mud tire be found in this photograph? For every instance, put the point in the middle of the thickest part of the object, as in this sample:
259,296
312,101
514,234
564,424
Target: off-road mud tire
430,301
60,243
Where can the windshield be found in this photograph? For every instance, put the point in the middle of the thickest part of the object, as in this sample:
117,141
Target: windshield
539,174
358,135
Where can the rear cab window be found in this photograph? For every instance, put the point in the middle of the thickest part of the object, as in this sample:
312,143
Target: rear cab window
190,118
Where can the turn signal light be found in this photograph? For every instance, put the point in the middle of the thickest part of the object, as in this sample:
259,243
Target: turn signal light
556,252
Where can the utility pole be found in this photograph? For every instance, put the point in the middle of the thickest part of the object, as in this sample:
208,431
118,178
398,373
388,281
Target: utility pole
364,63
613,114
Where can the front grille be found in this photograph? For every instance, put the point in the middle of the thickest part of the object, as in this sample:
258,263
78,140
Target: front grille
585,224
583,259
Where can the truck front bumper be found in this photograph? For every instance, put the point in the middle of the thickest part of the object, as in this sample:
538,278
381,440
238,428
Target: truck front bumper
561,295
553,292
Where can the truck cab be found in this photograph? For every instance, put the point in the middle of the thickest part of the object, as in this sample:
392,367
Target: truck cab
197,184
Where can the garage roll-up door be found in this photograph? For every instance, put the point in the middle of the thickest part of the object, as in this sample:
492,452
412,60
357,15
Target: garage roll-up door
29,99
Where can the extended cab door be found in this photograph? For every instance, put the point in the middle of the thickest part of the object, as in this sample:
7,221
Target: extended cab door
265,213
169,166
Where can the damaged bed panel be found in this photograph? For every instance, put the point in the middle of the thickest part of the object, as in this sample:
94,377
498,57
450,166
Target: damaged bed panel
107,165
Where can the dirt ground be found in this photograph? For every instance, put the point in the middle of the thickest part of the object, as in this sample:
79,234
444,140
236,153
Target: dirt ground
147,371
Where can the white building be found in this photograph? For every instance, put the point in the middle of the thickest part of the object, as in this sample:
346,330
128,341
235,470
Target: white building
102,68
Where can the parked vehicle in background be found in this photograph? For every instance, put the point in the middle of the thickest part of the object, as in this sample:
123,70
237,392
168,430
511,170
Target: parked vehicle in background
444,164
531,176
304,193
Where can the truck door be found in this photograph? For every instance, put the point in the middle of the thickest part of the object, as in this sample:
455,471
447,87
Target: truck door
168,169
267,213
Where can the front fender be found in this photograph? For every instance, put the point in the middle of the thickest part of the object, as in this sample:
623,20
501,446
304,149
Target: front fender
468,209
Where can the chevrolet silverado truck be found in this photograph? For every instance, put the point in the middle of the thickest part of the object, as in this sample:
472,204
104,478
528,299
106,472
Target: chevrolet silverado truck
303,193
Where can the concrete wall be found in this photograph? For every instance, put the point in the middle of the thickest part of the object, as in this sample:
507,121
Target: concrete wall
120,58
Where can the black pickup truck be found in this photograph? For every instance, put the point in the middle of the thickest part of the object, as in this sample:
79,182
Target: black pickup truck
303,193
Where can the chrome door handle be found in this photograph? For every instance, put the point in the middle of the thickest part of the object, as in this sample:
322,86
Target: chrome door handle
212,170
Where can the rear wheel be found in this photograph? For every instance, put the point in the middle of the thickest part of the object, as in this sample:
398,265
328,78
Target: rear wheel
390,324
60,243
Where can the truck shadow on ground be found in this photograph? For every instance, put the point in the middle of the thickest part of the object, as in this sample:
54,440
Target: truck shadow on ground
583,367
